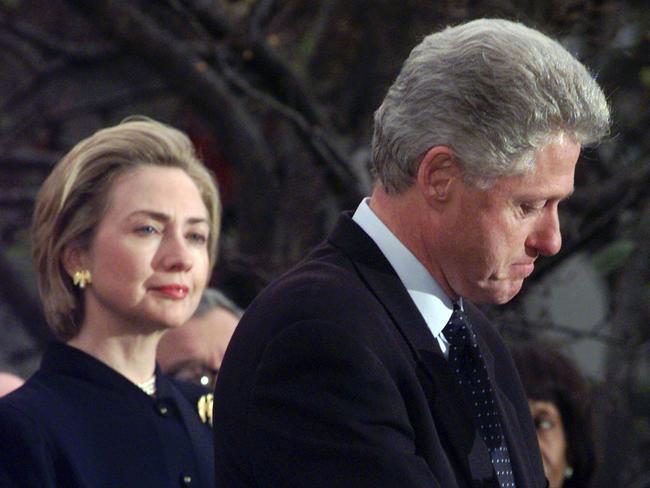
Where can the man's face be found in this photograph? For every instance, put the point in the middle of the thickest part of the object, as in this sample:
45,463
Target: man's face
492,238
194,351
9,382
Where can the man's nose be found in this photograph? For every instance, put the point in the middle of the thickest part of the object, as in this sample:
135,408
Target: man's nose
546,238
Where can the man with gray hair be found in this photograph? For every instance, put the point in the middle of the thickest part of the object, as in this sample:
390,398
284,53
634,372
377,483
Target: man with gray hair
194,351
368,365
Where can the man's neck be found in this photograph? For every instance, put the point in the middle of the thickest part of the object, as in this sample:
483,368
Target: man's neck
408,217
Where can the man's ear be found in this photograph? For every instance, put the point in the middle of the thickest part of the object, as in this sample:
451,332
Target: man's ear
73,259
436,173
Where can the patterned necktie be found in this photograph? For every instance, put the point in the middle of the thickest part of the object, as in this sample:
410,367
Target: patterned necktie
469,370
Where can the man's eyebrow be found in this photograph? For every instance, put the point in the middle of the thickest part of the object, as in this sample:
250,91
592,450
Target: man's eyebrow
164,218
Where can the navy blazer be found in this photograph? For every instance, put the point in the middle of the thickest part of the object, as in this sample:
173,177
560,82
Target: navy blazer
333,380
78,423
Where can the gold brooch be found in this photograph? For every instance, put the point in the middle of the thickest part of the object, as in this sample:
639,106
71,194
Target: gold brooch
204,406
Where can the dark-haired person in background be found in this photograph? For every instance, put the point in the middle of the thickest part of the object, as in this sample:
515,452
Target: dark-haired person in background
560,403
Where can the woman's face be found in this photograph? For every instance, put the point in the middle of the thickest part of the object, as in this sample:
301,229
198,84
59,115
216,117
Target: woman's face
149,254
552,440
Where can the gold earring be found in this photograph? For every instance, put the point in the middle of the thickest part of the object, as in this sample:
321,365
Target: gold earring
82,278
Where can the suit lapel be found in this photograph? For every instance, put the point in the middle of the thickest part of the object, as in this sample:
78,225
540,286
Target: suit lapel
383,282
520,465
456,427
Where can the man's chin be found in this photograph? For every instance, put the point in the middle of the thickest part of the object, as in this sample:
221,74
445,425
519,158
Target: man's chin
508,295
498,292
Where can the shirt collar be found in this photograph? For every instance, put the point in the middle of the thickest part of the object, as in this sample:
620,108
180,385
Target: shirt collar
433,304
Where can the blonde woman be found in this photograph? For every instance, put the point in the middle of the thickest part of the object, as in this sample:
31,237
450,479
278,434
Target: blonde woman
124,235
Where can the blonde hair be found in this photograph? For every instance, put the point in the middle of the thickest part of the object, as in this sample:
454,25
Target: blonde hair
74,199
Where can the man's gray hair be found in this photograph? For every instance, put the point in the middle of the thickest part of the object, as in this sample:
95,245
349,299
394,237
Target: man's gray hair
493,91
212,299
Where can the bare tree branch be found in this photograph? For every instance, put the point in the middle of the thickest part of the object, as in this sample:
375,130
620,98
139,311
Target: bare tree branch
335,164
239,134
28,159
71,51
37,106
24,303
23,52
211,16
18,197
261,58
628,320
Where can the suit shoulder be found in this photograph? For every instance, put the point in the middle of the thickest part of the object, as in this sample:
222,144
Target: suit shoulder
326,275
320,289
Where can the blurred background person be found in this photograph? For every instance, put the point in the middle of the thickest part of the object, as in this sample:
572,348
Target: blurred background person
194,351
560,404
9,382
124,236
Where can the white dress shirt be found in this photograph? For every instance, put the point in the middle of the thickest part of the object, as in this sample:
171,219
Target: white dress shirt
432,303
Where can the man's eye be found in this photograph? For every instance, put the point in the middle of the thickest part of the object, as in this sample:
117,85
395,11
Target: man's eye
528,208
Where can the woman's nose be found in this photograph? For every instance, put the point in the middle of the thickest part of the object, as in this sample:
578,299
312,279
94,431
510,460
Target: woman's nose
175,254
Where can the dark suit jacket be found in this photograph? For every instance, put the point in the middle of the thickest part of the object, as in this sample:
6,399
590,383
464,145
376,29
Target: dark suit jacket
333,379
79,423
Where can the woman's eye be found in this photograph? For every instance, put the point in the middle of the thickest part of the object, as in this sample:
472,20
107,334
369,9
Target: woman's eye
543,424
146,229
197,237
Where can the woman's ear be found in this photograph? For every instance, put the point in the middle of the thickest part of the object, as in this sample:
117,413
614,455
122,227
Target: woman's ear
73,259
436,173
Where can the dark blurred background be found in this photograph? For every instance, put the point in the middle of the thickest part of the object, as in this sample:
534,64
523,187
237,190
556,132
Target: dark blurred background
278,96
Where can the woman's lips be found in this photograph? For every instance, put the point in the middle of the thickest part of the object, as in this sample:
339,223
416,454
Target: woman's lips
176,292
